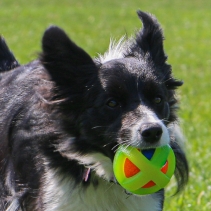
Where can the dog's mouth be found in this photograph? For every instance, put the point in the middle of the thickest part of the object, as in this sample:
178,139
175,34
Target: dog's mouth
100,162
108,169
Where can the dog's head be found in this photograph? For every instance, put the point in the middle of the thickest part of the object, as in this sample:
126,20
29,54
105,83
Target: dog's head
126,96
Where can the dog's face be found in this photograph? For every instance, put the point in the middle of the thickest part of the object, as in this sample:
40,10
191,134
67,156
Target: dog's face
126,99
131,108
134,104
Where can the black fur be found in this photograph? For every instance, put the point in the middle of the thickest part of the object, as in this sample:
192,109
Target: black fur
8,60
65,106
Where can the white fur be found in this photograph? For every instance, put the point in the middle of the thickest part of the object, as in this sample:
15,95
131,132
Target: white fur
60,194
148,117
176,133
116,50
98,162
14,206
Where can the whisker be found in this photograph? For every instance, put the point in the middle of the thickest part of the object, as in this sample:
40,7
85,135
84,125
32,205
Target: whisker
126,146
98,127
165,120
107,144
170,127
118,144
169,72
109,187
166,80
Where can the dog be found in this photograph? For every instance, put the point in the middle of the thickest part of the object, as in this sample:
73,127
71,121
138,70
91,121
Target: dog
63,116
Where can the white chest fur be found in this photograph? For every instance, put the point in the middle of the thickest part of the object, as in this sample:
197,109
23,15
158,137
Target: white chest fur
61,195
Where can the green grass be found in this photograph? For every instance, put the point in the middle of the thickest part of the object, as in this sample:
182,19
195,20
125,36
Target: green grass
188,44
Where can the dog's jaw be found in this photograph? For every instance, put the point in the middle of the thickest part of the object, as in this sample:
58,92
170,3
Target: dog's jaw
101,165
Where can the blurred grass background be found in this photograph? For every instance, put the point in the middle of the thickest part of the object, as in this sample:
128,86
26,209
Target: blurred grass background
187,31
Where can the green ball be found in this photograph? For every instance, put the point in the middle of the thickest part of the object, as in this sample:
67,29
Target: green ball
144,171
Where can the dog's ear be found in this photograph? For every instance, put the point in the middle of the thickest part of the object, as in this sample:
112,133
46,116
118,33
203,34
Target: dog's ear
64,60
149,40
7,59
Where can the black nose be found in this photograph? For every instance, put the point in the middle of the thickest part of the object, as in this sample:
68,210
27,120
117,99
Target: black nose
151,132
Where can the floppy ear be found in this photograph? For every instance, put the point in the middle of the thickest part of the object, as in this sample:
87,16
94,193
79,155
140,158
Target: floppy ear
65,61
149,40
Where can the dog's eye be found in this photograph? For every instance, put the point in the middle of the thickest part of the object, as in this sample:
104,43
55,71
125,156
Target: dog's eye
112,103
157,100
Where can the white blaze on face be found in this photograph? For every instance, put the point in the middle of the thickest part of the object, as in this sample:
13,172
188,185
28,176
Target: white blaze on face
148,117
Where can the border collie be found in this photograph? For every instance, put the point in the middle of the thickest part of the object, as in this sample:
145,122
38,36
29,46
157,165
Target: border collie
63,116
